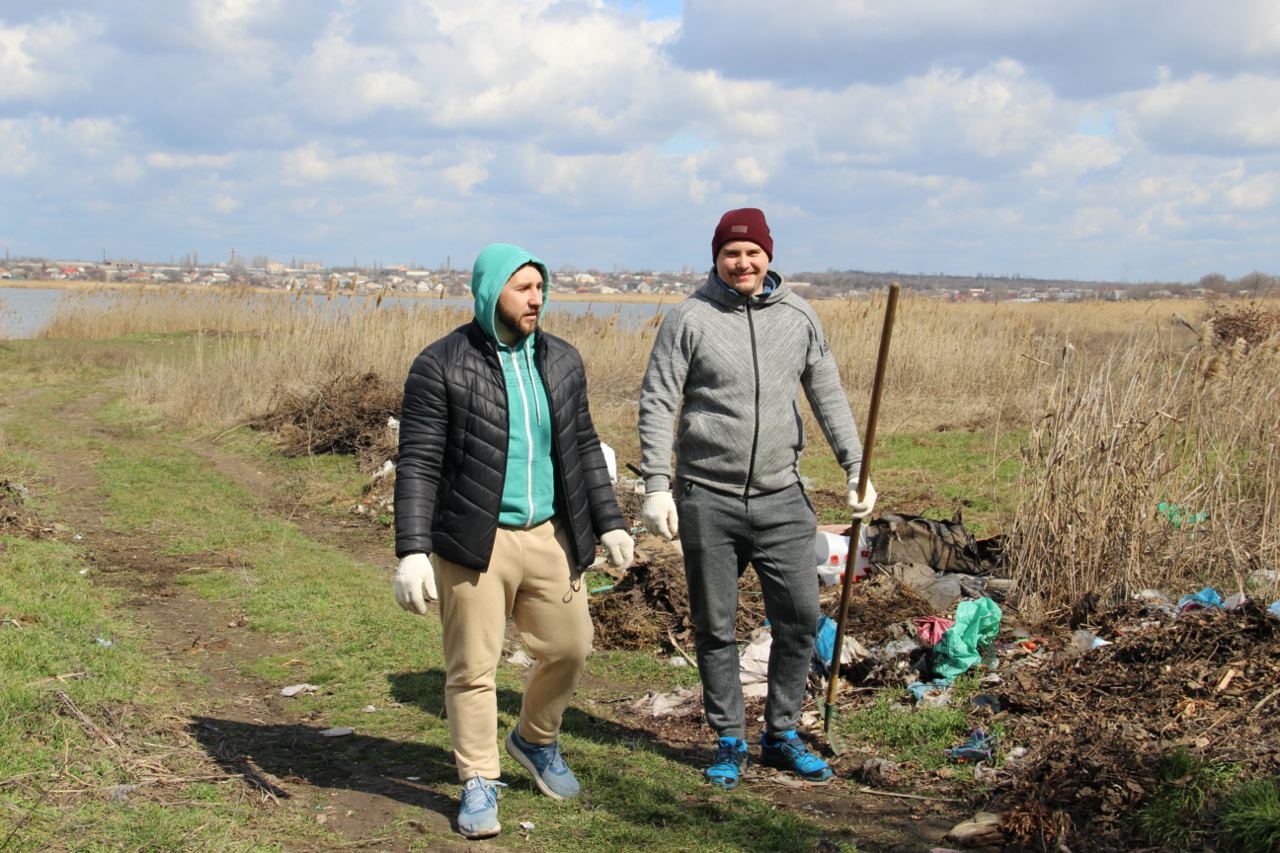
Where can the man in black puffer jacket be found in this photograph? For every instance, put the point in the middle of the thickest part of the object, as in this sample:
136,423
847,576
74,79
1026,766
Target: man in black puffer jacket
502,482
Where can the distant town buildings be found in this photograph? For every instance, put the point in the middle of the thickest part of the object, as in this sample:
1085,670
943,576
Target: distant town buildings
313,277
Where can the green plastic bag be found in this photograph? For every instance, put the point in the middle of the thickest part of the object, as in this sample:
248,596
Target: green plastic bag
977,624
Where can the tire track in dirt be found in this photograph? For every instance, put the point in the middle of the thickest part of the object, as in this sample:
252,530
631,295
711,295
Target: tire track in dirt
240,722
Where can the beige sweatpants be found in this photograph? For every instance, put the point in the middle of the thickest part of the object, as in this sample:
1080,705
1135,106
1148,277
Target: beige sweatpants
529,580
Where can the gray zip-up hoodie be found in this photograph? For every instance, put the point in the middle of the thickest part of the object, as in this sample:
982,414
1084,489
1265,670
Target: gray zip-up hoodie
733,367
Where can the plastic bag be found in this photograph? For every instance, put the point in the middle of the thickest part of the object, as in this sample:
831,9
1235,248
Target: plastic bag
977,624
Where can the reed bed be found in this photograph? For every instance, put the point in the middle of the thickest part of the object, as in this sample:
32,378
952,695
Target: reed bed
1152,472
1126,405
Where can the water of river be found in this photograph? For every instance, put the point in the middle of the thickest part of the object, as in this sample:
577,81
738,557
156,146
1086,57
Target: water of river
24,311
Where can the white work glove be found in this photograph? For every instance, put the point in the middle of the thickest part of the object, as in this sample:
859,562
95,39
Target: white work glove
621,548
861,508
660,514
415,583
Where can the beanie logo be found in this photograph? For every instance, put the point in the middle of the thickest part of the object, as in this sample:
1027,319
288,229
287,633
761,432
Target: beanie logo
738,229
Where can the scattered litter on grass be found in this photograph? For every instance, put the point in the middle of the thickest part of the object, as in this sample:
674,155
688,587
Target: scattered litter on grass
1179,516
881,772
931,694
1083,640
120,793
298,689
1206,599
930,629
520,658
686,701
753,664
1096,725
977,624
979,746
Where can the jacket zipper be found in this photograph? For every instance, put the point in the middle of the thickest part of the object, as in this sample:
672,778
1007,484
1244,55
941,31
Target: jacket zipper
755,434
528,435
540,356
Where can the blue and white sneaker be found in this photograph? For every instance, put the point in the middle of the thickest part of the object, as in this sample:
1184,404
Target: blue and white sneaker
478,814
786,751
552,776
731,757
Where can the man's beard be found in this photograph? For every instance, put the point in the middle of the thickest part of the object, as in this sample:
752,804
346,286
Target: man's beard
512,322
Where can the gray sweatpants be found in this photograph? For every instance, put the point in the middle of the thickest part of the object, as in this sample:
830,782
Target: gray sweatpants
721,534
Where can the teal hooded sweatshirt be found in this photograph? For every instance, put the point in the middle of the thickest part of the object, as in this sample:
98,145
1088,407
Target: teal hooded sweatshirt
529,492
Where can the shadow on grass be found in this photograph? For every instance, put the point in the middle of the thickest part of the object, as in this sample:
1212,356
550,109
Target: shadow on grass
636,801
426,691
628,802
371,765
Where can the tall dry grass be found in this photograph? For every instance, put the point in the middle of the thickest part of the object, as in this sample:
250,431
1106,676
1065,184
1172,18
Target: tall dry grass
1126,406
952,366
1196,431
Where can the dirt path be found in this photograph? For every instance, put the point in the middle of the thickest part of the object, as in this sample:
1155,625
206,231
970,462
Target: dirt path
242,725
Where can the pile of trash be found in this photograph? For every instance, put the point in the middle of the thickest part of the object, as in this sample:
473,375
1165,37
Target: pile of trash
348,414
1097,717
649,607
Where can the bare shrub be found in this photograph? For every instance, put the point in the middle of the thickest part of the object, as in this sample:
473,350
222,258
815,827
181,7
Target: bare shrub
347,414
1249,323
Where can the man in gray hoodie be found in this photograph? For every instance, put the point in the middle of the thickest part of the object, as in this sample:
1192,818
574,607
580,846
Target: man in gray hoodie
731,361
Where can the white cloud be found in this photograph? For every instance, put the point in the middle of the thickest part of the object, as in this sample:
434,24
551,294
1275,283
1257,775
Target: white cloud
224,204
168,160
38,60
930,134
1076,155
1256,193
1208,113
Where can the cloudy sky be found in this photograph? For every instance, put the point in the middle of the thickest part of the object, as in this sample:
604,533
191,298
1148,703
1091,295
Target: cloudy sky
1091,139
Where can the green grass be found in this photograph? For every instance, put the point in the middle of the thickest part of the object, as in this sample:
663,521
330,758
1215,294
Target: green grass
934,474
917,735
327,619
1251,816
1176,816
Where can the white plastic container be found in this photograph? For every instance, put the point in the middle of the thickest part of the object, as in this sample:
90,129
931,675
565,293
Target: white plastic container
831,551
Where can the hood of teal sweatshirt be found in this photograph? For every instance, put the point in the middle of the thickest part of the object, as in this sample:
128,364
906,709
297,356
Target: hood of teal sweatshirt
497,263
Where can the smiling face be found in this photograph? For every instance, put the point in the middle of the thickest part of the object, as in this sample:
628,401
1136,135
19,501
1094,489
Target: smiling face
519,304
742,265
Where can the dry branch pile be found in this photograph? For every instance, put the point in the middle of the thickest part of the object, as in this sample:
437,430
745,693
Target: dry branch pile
348,414
1251,324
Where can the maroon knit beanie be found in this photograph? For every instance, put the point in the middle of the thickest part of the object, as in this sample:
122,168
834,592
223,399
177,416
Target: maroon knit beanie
745,223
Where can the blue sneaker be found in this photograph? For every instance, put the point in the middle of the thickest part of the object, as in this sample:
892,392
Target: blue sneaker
552,775
478,814
787,751
731,757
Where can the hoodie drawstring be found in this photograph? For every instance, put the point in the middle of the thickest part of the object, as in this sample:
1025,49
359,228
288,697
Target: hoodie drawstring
537,404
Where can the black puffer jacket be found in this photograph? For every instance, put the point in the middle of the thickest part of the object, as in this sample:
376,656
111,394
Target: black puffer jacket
453,450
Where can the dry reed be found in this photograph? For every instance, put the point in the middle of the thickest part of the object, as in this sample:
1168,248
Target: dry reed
1128,405
1147,429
